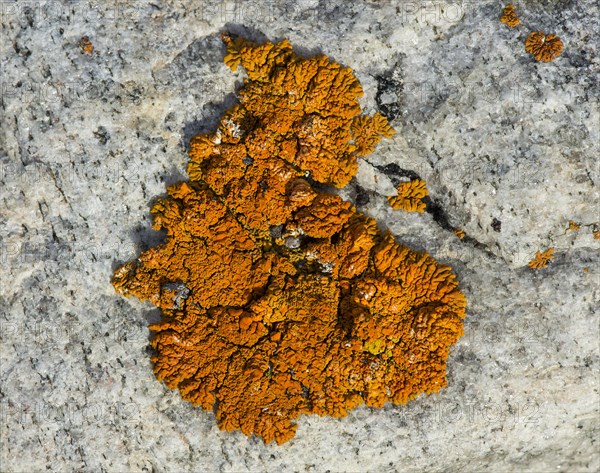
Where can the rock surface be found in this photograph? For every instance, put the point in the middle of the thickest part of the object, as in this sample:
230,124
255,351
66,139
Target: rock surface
508,148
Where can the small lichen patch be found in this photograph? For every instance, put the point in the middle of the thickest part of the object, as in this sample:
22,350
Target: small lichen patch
460,233
509,16
410,196
541,259
544,47
85,45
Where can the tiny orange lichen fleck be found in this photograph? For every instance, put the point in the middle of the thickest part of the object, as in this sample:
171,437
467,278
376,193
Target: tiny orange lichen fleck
541,259
278,298
410,196
460,233
574,226
544,47
86,45
509,16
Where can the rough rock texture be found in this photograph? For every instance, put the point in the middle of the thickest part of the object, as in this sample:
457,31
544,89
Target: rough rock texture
508,149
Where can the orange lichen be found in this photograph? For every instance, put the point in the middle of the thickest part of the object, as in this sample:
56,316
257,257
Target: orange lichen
544,47
596,234
460,233
410,196
278,298
368,131
86,45
509,16
574,226
541,259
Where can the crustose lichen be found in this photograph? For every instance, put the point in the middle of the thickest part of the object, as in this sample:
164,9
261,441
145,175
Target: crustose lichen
279,298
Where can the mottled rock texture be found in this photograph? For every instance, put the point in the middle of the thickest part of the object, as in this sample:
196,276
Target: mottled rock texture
507,146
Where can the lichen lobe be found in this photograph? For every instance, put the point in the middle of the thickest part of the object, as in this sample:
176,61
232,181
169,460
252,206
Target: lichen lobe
509,16
279,299
544,47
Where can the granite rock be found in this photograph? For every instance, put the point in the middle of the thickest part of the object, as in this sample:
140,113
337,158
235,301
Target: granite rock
508,147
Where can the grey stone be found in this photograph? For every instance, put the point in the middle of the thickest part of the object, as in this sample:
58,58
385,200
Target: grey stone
88,142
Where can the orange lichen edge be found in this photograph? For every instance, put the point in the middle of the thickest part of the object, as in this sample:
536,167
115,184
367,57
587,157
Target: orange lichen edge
278,298
410,196
596,234
509,16
541,259
544,47
368,131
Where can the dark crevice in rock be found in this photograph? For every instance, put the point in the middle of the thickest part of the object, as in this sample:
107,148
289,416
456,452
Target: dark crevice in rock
397,174
433,207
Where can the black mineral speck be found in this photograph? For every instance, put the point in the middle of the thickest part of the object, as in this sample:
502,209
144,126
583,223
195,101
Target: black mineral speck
276,231
102,135
362,197
496,225
389,90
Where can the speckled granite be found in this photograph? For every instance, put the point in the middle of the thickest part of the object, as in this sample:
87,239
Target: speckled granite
509,150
